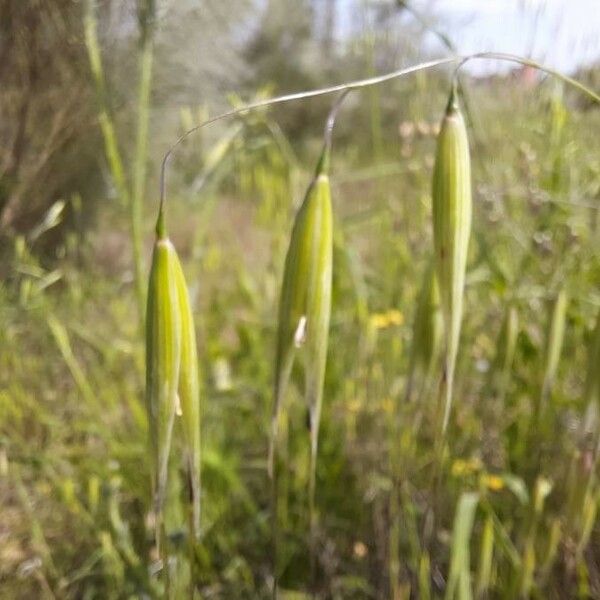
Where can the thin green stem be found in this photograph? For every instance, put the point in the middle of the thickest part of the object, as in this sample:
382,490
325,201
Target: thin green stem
274,531
291,98
363,83
527,62
323,165
439,450
130,198
312,513
139,167
450,45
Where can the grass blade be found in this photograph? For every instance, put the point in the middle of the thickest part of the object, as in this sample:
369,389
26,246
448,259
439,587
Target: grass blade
459,579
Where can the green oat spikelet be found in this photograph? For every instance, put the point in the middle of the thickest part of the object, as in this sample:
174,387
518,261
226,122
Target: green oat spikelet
163,357
189,397
305,301
304,313
318,297
452,208
172,380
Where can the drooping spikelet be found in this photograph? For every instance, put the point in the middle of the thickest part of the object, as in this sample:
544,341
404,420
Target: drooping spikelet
189,396
451,195
163,357
172,382
305,301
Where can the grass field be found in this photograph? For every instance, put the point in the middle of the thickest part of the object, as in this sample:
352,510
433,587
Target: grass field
505,509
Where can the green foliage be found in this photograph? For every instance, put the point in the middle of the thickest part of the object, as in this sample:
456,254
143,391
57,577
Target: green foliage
75,470
459,578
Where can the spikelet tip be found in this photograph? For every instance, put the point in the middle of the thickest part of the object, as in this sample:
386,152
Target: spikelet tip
161,229
452,105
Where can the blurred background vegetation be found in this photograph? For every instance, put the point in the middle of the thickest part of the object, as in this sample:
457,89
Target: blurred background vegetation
91,96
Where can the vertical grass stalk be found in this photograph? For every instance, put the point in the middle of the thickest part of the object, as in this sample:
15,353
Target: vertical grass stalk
163,358
146,15
130,198
505,349
107,127
556,333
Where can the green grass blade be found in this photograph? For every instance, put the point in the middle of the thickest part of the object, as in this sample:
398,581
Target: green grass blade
486,557
555,340
61,337
592,381
459,579
146,59
107,127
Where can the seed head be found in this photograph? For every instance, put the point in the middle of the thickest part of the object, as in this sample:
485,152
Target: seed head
172,383
305,301
451,195
163,356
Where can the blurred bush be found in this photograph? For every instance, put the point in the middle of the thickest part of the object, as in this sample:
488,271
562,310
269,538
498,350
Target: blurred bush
47,149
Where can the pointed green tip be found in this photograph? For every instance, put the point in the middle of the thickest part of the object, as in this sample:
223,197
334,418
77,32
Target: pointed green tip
161,229
324,160
452,105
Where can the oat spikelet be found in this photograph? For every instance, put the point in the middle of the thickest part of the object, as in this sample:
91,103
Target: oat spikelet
452,208
189,397
163,356
172,379
305,301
